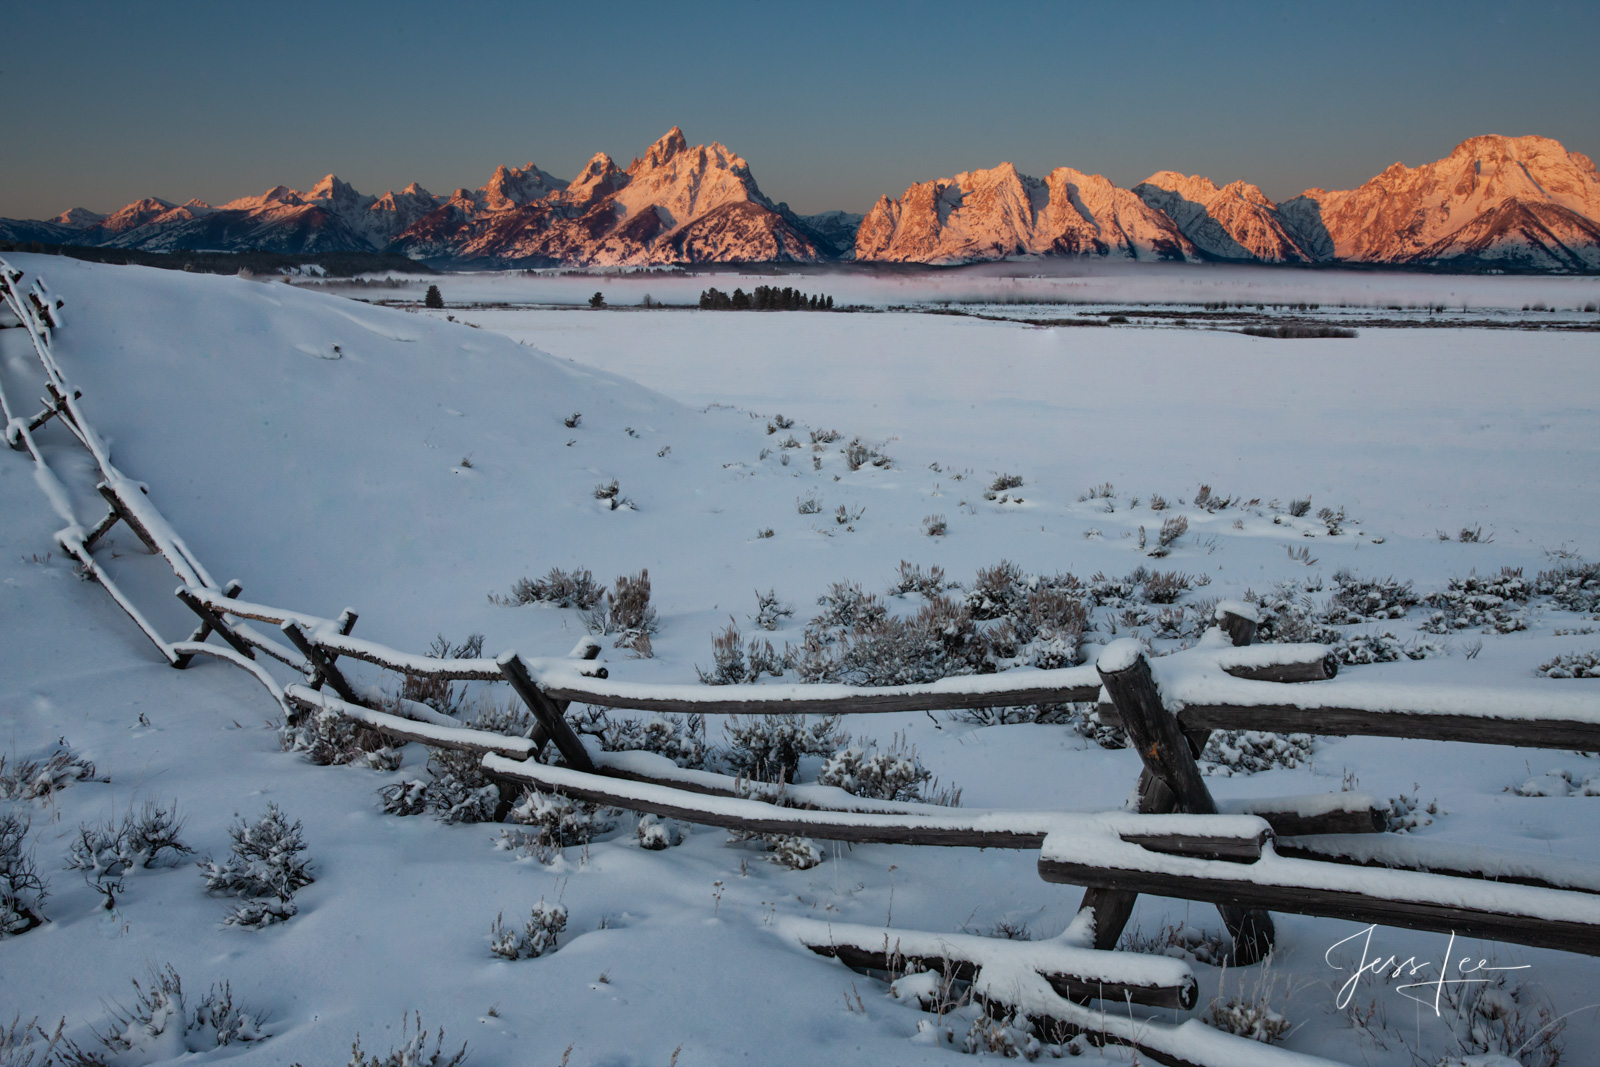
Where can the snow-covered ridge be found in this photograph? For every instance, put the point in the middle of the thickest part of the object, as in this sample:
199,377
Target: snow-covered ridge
1520,203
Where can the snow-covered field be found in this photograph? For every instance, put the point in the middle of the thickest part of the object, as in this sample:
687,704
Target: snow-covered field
328,453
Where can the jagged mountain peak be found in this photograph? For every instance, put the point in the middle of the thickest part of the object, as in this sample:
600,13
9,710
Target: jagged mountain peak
331,188
667,145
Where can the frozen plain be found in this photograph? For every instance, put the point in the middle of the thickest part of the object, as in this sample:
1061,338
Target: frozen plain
323,478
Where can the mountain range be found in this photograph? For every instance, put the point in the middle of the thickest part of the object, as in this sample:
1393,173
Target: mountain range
1495,203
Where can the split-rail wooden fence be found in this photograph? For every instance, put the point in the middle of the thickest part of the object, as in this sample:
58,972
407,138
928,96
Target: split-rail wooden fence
1324,855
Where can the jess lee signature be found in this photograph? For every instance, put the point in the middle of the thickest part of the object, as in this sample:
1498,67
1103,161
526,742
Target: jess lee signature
1467,972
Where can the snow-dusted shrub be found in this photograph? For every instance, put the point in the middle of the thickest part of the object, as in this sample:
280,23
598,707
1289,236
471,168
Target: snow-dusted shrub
158,1026
1300,508
1230,752
680,738
1382,647
441,694
327,738
768,748
1363,599
1573,665
511,718
890,773
105,852
1207,501
412,1052
1249,1013
1181,941
913,579
22,891
17,1047
795,853
771,611
1288,615
409,797
1044,630
37,779
565,589
844,606
1573,587
628,614
1493,603
1499,1023
537,936
610,493
1008,1037
655,833
935,526
997,591
546,823
265,860
1171,530
939,641
1104,592
1407,812
1084,718
457,789
735,660
1165,587
1558,783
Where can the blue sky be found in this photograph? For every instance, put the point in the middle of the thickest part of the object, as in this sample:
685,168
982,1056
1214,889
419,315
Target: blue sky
833,104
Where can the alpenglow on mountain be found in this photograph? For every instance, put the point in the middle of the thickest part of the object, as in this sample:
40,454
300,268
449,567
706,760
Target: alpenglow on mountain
1495,203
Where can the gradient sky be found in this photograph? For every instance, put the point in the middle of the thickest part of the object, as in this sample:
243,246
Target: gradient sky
832,104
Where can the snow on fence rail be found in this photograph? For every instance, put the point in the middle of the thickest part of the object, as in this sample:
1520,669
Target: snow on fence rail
1180,841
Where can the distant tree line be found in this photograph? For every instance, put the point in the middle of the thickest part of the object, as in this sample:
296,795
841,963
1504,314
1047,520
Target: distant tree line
764,298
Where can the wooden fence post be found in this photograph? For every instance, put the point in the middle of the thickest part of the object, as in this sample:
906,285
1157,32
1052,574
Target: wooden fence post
201,632
1171,782
320,663
545,711
345,623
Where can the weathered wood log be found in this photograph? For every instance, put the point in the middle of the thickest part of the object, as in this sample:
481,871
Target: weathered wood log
201,632
1205,846
1238,621
1392,852
1544,732
319,662
345,623
1370,819
1337,903
1316,670
545,711
1073,987
215,622
1169,757
855,702
100,528
462,738
129,518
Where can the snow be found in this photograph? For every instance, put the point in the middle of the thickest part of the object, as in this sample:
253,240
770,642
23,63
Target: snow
1119,655
325,483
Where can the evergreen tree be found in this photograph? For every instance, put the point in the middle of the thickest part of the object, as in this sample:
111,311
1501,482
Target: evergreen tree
598,300
433,299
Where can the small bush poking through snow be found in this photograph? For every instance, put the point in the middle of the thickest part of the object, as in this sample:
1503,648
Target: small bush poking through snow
912,579
159,1026
1180,941
265,862
935,526
1249,1013
550,822
107,851
565,589
1300,508
22,891
1407,812
768,748
1492,603
1364,599
770,611
795,853
327,738
1573,665
37,780
1572,587
1556,783
1166,587
537,936
628,614
682,739
890,773
17,1047
1230,752
457,789
656,834
735,660
1171,530
413,1050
